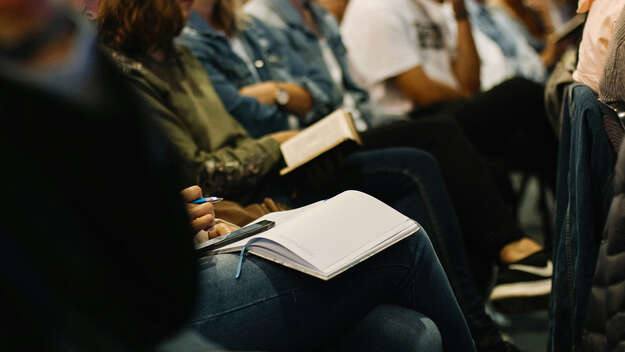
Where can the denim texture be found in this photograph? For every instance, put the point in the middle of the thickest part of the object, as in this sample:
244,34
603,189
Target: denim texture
522,59
584,190
408,274
393,328
281,15
273,60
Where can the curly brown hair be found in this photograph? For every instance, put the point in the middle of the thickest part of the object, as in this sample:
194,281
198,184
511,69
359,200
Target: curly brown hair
137,27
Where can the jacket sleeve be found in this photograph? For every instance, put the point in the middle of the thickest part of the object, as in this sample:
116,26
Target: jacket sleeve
326,96
258,119
228,171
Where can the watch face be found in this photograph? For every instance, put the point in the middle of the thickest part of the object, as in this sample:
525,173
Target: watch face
283,97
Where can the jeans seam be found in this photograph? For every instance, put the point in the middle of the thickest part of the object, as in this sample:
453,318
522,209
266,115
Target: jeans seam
247,305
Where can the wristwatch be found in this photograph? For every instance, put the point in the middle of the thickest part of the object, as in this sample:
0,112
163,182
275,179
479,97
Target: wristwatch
282,97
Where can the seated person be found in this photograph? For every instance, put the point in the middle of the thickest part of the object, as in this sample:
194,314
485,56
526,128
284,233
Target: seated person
86,275
598,31
602,327
419,73
585,174
277,93
521,58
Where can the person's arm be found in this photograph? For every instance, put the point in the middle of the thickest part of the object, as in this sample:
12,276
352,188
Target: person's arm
226,171
326,96
527,16
300,101
422,90
398,52
257,118
467,61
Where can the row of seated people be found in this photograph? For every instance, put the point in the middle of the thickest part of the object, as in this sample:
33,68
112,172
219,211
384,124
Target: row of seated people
251,66
238,80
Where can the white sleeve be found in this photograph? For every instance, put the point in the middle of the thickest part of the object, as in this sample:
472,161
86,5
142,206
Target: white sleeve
380,41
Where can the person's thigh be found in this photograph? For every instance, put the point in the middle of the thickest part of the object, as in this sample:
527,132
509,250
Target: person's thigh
509,123
271,307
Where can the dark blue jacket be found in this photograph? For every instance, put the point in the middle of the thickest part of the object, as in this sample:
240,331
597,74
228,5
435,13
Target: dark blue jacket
273,60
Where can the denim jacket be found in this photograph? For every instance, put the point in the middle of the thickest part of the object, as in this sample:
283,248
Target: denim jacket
273,61
281,14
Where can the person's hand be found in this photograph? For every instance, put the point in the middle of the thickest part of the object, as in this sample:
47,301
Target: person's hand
265,92
202,215
283,136
220,229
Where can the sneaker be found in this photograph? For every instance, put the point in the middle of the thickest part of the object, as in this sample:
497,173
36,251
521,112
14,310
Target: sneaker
524,285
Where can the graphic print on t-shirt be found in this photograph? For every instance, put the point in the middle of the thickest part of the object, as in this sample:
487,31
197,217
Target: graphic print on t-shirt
430,35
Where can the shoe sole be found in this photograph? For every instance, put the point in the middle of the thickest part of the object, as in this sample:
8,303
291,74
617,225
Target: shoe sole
521,289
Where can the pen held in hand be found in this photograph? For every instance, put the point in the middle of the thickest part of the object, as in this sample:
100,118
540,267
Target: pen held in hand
207,199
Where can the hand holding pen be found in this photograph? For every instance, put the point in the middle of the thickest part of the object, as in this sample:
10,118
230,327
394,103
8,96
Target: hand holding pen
200,209
202,214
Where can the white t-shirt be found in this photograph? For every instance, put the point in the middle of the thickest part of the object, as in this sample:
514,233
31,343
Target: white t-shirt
387,38
349,103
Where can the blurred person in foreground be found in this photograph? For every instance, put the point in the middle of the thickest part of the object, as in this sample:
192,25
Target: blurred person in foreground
86,227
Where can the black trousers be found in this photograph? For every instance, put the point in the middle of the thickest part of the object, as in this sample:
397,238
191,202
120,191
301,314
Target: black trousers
509,124
506,124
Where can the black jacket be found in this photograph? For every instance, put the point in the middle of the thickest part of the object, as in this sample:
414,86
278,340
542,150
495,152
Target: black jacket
605,325
96,250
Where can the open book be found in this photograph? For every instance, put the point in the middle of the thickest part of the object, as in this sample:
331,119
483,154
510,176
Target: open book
317,139
328,237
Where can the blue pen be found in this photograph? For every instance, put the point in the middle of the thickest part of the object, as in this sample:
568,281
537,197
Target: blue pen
207,199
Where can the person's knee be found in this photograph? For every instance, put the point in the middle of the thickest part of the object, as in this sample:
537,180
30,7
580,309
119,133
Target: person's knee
416,158
430,337
401,329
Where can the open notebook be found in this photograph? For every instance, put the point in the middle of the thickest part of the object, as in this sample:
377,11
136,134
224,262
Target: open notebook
328,237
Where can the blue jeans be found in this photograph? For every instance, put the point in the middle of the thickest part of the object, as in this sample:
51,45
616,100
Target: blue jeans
393,328
300,312
274,308
410,181
583,193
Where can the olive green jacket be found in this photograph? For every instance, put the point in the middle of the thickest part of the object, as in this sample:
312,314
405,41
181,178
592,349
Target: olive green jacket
225,159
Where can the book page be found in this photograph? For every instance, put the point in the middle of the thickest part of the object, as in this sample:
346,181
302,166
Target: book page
340,229
279,217
319,137
328,237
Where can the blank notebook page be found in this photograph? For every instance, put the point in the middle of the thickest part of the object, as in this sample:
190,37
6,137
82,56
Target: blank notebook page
361,221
